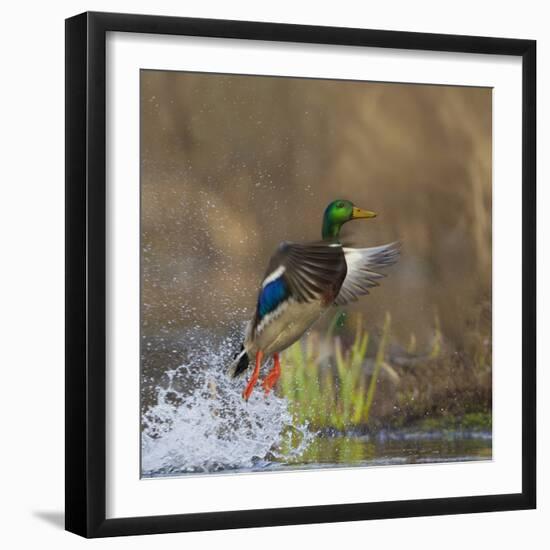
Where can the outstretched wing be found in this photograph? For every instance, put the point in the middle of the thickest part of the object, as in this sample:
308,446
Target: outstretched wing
305,272
362,266
312,271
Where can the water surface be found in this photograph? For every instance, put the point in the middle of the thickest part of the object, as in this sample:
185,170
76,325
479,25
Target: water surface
195,421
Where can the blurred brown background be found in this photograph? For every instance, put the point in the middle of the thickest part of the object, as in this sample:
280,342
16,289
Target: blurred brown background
232,165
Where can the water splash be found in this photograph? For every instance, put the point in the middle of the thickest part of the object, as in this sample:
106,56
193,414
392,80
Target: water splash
200,423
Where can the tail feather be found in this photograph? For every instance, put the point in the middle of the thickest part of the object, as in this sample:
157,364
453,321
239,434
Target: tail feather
240,363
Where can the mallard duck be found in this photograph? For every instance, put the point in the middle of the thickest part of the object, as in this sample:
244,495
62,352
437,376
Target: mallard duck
302,281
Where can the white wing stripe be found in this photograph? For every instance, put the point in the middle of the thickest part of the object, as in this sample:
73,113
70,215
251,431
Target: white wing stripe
274,275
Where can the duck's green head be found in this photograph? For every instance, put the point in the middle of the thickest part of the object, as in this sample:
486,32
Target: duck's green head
339,212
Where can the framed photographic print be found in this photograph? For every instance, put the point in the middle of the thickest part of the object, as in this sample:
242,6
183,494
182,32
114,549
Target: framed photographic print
300,274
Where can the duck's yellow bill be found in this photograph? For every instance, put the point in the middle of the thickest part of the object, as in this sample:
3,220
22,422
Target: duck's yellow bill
360,213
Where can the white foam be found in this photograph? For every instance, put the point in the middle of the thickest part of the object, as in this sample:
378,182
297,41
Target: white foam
200,423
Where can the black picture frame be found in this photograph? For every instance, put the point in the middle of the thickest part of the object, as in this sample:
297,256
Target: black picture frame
86,274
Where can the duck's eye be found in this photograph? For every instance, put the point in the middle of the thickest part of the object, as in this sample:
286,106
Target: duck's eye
340,205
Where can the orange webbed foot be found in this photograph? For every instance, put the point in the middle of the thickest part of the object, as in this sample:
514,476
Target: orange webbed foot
271,379
254,378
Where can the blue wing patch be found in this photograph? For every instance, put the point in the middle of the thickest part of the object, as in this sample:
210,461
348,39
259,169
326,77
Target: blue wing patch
271,296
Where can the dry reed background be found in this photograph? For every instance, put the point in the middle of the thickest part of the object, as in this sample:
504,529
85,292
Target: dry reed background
232,165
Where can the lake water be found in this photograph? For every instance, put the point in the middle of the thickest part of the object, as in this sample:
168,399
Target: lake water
382,449
195,421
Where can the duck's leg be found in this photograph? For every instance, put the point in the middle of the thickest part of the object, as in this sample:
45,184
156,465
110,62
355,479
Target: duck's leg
273,376
255,375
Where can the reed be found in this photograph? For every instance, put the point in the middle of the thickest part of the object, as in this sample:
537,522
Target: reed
333,380
333,388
